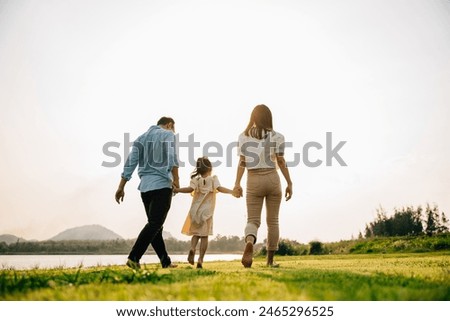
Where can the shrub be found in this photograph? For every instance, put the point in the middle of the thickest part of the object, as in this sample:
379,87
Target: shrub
316,248
287,247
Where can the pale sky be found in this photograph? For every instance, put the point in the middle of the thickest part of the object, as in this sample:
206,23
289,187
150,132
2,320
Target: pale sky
75,75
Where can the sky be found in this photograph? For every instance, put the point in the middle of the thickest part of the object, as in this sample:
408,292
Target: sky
76,75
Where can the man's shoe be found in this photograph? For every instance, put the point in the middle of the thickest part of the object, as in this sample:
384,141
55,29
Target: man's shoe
170,266
134,265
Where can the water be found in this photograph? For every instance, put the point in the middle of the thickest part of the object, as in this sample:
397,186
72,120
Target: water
26,262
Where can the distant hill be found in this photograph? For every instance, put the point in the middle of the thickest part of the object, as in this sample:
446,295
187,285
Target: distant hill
8,239
167,235
87,232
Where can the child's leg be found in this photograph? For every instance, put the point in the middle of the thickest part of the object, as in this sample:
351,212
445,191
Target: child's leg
194,242
203,248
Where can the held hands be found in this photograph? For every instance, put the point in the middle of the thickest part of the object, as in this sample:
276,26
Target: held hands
175,186
237,191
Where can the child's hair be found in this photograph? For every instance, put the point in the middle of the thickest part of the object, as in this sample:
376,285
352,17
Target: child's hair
202,167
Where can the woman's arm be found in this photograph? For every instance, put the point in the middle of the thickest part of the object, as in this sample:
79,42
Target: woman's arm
183,189
285,171
237,190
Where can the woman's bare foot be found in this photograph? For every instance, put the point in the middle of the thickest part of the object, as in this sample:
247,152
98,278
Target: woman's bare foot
247,257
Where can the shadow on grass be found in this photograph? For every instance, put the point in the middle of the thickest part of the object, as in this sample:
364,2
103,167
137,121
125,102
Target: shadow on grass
12,281
346,286
296,283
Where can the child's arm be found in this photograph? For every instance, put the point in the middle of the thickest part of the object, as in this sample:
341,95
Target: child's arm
224,190
183,190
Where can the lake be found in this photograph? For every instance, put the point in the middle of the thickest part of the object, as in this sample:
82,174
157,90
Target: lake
26,262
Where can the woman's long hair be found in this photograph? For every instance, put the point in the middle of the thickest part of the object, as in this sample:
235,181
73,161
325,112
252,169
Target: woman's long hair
202,167
260,122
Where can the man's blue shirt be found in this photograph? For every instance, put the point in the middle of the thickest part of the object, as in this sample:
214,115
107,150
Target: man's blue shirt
155,154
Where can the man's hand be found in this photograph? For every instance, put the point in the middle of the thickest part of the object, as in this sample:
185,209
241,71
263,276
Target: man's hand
175,190
120,194
176,183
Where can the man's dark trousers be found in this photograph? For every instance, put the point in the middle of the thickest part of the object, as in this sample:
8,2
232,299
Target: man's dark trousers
157,205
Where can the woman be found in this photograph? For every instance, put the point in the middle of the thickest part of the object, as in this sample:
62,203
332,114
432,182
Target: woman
261,152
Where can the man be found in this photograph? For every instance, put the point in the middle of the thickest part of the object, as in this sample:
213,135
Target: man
155,153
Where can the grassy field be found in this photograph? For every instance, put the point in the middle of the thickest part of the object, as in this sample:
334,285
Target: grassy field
417,276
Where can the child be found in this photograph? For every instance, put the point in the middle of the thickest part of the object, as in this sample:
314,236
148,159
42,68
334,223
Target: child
199,221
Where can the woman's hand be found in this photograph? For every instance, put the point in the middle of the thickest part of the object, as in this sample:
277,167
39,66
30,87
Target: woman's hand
288,193
237,191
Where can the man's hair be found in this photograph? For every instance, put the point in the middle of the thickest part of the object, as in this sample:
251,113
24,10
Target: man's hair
165,121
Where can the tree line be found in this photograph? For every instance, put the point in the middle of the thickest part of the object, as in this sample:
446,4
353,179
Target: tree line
426,228
408,221
219,244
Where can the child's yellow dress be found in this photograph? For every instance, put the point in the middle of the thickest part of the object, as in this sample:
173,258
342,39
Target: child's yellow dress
199,220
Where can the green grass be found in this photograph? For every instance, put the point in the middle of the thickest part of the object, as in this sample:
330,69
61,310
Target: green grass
416,276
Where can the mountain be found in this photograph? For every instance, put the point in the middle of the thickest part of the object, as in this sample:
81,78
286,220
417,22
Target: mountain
87,232
167,235
8,239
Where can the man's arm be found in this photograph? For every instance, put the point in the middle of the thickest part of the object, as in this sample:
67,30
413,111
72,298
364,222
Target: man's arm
128,169
173,159
176,178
